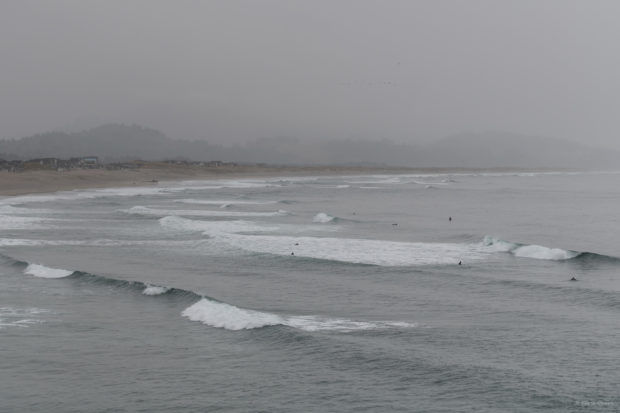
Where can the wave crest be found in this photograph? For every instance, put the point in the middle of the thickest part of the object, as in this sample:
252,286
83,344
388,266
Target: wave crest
155,290
205,309
227,316
323,218
529,250
42,271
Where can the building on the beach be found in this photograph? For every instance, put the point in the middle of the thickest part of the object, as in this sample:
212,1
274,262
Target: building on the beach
85,162
11,166
41,163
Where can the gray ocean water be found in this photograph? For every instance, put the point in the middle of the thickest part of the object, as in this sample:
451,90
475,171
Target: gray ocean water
316,294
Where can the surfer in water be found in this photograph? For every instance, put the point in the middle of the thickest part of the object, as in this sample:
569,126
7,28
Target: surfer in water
449,219
573,279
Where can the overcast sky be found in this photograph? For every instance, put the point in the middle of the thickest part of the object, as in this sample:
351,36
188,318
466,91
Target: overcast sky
231,71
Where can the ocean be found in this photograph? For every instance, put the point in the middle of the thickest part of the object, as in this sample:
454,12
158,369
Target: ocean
379,293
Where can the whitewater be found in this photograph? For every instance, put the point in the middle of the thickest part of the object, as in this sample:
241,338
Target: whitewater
490,292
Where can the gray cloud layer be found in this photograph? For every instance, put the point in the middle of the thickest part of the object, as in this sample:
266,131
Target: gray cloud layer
231,71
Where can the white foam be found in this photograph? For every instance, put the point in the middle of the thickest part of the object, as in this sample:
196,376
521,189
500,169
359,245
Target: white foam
213,227
42,271
544,253
19,317
238,234
155,290
142,210
427,184
312,323
222,203
229,317
221,228
10,222
498,245
360,251
322,218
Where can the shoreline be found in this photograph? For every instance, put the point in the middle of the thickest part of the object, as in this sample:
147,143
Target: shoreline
46,181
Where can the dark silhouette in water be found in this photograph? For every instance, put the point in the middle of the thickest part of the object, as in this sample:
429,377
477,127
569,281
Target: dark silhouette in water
573,279
449,219
460,262
292,253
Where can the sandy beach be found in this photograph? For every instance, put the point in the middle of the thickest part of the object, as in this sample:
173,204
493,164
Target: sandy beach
41,181
153,173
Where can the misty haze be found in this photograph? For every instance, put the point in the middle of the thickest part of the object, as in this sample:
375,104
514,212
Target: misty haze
280,206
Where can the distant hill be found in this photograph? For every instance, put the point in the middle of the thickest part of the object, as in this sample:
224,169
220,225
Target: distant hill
115,142
108,142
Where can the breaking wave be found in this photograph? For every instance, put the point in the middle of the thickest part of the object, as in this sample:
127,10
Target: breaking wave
256,238
207,310
529,250
42,271
358,251
216,314
323,218
545,253
155,290
228,316
251,237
